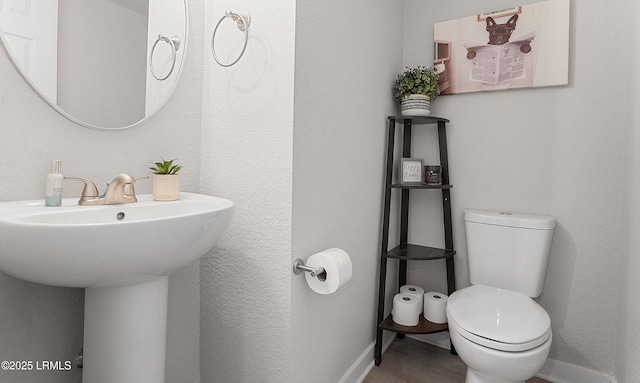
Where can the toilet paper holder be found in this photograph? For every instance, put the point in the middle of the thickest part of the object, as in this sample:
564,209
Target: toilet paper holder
318,272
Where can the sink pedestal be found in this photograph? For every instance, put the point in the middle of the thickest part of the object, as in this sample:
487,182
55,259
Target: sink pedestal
122,256
125,333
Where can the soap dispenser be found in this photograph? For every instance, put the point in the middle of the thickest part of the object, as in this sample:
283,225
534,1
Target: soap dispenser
53,191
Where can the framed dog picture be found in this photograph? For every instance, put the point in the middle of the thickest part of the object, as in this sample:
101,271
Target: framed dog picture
412,170
520,47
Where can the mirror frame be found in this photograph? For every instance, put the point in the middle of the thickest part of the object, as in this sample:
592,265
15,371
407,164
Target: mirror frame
71,118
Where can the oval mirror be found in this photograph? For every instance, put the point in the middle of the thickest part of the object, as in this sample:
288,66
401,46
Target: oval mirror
104,64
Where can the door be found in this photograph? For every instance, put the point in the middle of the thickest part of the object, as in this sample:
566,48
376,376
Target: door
31,34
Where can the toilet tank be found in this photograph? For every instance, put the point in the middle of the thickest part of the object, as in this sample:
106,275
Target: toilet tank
508,250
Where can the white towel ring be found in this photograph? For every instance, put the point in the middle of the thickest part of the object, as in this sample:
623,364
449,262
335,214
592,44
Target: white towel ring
242,21
175,45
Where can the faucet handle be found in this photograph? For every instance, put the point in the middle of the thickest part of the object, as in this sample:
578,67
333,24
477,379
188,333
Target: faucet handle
120,190
89,189
129,191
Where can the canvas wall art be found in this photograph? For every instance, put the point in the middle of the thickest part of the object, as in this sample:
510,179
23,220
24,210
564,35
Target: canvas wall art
520,47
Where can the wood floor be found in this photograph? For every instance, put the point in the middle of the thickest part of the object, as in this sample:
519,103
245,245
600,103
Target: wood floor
410,361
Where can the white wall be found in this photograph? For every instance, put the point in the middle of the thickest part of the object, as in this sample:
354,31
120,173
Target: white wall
46,323
628,346
247,143
299,186
555,151
347,53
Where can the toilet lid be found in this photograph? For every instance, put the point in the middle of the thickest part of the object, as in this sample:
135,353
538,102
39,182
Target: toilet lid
499,315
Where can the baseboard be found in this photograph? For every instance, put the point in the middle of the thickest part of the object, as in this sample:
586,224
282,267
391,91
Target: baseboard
553,370
560,372
363,365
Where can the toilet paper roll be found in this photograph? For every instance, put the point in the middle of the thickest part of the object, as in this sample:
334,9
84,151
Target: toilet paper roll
435,307
405,310
338,269
416,291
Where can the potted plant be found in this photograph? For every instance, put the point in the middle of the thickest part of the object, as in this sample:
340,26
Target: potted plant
415,88
166,180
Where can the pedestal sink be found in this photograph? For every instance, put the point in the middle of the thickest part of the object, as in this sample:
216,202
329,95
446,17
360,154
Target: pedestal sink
122,255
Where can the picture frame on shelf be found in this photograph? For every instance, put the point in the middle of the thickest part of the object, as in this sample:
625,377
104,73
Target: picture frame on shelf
412,171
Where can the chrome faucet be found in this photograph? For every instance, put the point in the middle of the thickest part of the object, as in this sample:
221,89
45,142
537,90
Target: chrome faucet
120,190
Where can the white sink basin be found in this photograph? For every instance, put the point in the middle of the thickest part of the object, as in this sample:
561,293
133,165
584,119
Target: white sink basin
110,245
122,255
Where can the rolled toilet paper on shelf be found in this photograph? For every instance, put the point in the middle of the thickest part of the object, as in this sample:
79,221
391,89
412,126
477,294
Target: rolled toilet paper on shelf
416,291
435,307
338,269
405,310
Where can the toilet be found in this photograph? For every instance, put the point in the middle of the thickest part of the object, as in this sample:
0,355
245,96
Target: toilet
498,330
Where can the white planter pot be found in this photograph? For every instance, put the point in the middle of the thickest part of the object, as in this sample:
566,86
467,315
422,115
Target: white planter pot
166,187
415,105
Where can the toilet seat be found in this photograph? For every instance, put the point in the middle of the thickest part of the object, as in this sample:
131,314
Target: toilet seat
497,318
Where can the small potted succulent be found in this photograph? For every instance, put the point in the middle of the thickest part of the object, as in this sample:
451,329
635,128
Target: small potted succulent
415,88
166,180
